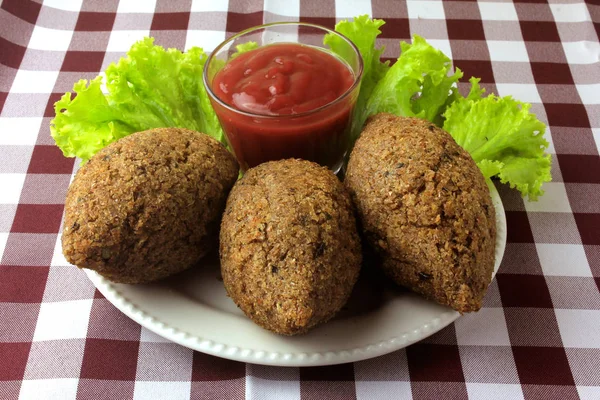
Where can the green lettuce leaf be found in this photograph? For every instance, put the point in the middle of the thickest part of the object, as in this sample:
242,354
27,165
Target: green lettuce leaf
244,47
503,137
419,84
95,125
150,88
362,31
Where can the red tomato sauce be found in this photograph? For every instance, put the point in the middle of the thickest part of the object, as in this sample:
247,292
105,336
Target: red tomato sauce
277,84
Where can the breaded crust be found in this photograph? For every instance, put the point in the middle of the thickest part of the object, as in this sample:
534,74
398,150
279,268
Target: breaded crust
425,208
148,205
290,251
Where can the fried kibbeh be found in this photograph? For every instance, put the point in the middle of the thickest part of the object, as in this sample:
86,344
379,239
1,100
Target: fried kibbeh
148,205
289,247
425,208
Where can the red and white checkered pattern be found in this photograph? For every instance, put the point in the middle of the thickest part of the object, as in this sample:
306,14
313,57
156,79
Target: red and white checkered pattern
538,335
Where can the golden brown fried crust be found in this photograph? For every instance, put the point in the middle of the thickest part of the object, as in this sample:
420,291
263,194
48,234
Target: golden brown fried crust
425,207
148,205
290,251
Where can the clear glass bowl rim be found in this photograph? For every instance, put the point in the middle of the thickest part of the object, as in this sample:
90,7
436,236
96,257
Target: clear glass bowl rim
343,96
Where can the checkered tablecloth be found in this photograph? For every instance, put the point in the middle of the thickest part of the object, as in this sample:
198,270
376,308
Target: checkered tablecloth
538,335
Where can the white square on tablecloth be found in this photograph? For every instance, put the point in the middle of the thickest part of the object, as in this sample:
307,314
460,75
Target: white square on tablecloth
58,259
136,6
34,81
554,200
350,8
266,389
487,327
548,136
498,11
148,336
67,5
563,259
443,45
590,94
3,240
288,8
50,389
210,5
596,133
11,185
425,9
50,39
383,390
525,92
582,52
579,328
63,320
164,361
121,41
19,131
570,12
208,40
162,390
588,392
502,50
494,391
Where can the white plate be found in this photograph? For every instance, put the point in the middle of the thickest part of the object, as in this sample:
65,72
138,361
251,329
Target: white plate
193,310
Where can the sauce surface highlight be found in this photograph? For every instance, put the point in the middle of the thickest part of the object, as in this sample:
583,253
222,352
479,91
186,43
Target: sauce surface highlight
282,79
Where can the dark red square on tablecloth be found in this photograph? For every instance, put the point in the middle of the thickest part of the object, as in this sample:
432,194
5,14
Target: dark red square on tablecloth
54,97
22,284
341,372
11,54
25,9
49,160
95,21
3,96
542,365
564,114
462,29
395,28
434,363
209,368
589,226
177,21
552,73
539,31
14,359
579,168
238,22
519,230
517,290
110,359
83,61
327,22
479,68
37,218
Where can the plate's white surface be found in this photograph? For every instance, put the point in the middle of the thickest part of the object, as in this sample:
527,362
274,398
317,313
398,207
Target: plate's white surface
192,309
